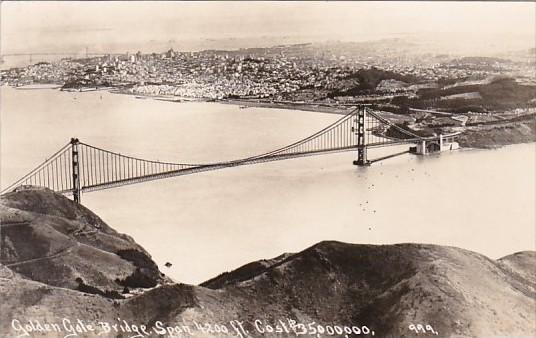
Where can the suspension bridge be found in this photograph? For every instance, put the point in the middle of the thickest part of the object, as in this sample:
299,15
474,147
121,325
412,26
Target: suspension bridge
79,167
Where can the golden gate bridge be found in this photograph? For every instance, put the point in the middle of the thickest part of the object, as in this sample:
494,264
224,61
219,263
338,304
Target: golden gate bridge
79,167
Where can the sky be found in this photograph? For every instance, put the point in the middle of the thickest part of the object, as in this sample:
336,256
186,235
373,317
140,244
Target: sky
120,26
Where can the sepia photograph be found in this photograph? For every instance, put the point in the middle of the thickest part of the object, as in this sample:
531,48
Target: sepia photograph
253,169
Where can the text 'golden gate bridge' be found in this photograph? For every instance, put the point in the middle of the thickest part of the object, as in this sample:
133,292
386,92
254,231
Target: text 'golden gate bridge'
79,167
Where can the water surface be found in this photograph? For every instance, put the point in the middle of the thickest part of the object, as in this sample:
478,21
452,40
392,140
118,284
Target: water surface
208,223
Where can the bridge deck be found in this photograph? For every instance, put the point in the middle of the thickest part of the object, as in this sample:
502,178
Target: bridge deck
80,167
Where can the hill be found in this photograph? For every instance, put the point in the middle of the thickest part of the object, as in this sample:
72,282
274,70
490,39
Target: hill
390,287
496,95
48,242
367,80
51,240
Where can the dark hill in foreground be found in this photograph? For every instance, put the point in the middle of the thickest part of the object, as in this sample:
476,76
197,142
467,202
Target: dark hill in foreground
59,260
390,287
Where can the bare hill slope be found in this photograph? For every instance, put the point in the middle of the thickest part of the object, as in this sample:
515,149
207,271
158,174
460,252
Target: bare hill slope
59,260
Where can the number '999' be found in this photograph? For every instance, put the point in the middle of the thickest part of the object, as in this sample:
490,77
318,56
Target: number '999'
423,329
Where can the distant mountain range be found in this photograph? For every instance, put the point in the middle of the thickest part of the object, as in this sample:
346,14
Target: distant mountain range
61,263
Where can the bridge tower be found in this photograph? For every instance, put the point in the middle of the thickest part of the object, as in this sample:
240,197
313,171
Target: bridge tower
76,169
361,138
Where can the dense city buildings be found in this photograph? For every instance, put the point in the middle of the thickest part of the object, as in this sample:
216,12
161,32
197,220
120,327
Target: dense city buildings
431,90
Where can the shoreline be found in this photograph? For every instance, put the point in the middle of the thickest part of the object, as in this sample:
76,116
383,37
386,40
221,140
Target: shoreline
493,137
318,108
490,137
244,103
473,139
38,86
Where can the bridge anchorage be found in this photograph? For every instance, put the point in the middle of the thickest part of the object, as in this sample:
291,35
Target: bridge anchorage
79,167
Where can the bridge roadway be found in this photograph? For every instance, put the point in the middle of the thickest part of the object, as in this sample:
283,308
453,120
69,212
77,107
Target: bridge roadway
235,163
206,167
79,167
